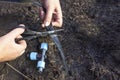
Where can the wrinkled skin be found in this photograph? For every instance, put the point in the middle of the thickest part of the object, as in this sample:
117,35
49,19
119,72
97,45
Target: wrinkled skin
9,49
53,13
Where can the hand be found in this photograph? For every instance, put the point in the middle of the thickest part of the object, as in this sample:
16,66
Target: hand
53,13
9,49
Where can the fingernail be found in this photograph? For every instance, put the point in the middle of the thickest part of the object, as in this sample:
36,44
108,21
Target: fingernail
42,13
43,25
47,24
22,25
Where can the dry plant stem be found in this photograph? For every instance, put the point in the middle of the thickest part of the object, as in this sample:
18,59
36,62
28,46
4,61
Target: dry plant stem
18,71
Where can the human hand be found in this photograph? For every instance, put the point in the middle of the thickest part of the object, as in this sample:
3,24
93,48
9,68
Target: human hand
9,49
53,13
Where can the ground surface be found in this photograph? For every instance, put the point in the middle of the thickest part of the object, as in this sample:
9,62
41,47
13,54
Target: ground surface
91,41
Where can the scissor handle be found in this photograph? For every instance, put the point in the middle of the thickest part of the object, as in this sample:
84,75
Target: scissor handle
28,38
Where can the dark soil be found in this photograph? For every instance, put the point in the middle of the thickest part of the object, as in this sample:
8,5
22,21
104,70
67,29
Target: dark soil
91,41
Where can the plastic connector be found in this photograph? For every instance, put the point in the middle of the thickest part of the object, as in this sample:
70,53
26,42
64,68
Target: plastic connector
41,65
40,57
33,55
44,46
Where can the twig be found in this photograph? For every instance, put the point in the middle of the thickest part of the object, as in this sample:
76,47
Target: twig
18,71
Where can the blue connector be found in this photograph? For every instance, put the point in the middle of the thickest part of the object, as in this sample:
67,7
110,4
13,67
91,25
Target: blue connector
33,55
44,46
41,63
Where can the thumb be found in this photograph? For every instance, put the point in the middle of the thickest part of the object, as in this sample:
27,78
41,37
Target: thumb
16,32
48,16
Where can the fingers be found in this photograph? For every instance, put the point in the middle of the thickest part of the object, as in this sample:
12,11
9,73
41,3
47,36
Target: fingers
48,16
14,33
16,55
58,19
9,48
55,18
22,43
20,46
53,13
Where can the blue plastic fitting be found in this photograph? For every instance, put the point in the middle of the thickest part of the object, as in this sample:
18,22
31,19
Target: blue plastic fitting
44,46
41,63
33,55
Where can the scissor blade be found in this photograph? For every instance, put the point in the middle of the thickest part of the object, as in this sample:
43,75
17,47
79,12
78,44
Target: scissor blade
30,32
51,32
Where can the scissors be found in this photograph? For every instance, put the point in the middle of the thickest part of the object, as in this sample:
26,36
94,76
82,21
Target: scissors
30,34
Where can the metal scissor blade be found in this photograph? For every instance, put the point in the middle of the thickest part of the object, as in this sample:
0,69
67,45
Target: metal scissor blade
30,32
58,44
51,32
